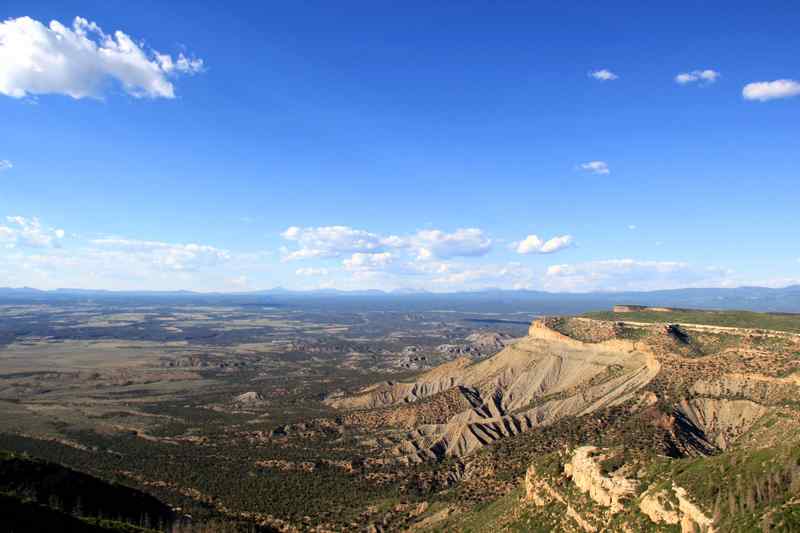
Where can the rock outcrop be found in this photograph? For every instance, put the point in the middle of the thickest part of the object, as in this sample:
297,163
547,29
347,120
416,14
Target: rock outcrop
675,507
610,494
478,345
607,491
490,341
249,399
540,493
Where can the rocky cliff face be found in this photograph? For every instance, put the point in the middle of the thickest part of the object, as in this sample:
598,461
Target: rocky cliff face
607,490
673,506
611,494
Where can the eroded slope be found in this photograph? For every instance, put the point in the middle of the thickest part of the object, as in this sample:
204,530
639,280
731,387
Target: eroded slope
537,380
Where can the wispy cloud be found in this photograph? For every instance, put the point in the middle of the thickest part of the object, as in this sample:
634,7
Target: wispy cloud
81,60
166,255
596,167
763,91
361,261
603,75
510,275
311,271
703,77
631,274
28,232
5,164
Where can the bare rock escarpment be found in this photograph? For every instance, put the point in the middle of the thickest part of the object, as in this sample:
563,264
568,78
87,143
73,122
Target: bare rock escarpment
673,506
610,494
607,490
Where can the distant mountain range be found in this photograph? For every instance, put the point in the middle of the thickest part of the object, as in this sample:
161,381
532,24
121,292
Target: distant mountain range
786,299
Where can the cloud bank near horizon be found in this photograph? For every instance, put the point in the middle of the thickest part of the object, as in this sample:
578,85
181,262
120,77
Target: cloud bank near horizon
36,254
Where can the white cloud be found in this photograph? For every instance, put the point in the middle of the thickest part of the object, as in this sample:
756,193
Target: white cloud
596,167
464,242
178,257
5,164
394,261
182,64
632,227
630,274
327,242
238,282
771,90
510,275
332,241
311,271
533,244
704,77
603,75
360,261
81,61
614,265
33,254
28,232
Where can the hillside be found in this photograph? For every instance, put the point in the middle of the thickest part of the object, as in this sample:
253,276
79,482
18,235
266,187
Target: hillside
537,380
41,496
610,425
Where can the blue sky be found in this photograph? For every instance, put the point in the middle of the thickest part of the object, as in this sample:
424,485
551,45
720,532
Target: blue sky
435,145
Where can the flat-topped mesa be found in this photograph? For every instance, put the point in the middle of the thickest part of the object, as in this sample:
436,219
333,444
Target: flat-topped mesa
584,332
641,308
581,329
